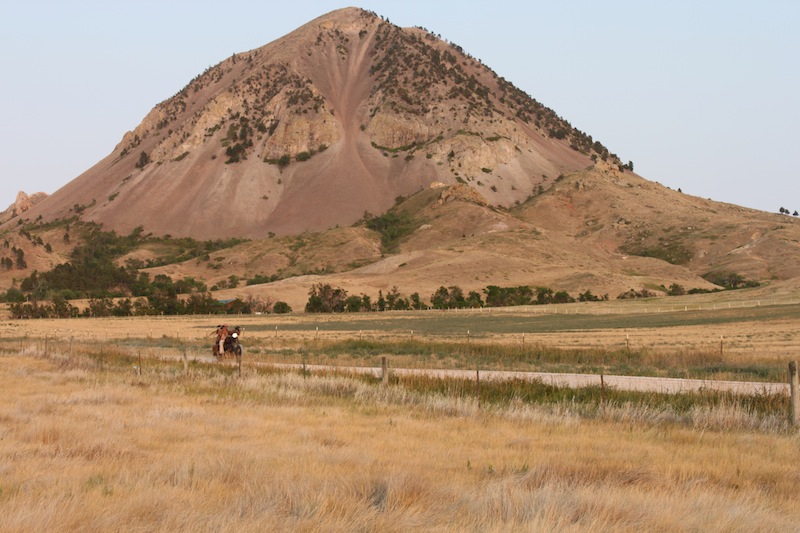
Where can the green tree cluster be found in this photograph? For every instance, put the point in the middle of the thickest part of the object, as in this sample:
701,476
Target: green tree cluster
392,226
729,280
453,298
324,298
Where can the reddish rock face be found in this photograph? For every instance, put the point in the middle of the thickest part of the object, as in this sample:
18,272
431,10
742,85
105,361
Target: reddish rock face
339,117
23,203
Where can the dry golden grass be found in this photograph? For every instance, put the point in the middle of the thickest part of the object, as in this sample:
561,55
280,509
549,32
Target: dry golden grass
90,449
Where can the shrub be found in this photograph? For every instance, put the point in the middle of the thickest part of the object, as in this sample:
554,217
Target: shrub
392,227
353,304
676,290
562,297
258,279
144,159
13,295
632,294
588,297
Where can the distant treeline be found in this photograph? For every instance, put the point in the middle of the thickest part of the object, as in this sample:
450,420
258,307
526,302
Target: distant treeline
324,298
164,303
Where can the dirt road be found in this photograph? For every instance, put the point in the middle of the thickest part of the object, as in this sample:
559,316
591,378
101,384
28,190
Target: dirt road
627,383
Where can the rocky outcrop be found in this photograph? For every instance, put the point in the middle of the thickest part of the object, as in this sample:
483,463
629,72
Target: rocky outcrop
23,203
461,192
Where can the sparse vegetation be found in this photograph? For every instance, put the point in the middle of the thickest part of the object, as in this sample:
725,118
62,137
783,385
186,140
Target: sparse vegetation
261,279
93,273
729,280
392,227
633,294
238,140
143,160
672,251
283,161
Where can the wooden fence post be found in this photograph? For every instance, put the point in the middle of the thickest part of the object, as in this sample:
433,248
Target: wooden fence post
478,384
384,370
602,391
794,385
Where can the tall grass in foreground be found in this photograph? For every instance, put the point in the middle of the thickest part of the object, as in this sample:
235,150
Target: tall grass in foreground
85,446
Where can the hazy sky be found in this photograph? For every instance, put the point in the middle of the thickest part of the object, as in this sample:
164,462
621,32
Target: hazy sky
700,95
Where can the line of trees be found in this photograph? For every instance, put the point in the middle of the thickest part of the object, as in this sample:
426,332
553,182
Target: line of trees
325,298
162,303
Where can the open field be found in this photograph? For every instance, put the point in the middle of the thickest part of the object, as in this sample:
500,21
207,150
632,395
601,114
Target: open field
704,341
98,432
88,444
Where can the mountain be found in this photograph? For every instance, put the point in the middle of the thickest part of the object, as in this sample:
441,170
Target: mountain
337,118
361,154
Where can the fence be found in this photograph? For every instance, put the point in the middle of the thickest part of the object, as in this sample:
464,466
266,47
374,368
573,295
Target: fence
181,353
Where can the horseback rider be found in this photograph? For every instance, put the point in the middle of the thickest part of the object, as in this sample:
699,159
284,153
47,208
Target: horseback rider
222,334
